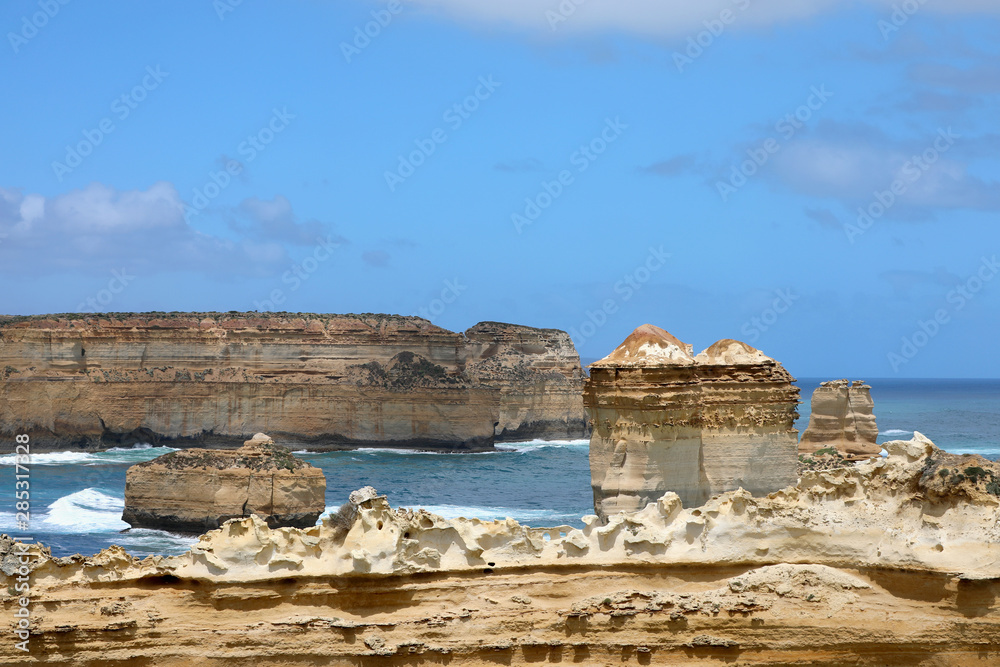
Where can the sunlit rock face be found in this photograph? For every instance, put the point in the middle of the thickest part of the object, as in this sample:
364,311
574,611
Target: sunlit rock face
666,420
538,375
316,381
195,490
842,417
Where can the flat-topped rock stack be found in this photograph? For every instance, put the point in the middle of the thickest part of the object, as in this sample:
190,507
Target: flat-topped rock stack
666,420
842,417
196,490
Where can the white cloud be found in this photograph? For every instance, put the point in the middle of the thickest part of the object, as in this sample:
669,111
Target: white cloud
658,17
98,227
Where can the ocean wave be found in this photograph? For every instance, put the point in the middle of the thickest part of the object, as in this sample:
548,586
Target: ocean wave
85,511
535,445
895,431
137,454
986,452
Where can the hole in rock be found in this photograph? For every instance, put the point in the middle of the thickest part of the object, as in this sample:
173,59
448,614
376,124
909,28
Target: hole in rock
379,525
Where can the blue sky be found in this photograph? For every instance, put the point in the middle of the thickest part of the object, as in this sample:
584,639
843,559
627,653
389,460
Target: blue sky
588,167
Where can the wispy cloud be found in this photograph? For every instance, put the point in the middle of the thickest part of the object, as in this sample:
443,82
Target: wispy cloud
90,229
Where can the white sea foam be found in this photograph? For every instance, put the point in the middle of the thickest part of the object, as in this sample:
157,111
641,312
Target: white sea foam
141,452
534,445
988,452
85,511
530,517
894,432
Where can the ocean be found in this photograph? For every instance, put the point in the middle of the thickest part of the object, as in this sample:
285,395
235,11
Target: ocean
77,498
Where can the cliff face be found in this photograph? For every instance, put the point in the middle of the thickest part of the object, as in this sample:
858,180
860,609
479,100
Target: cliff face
666,420
538,374
742,580
197,490
842,417
210,378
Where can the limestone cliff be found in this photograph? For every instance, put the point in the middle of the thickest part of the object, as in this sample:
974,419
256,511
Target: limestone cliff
539,377
819,574
322,381
666,420
196,490
842,417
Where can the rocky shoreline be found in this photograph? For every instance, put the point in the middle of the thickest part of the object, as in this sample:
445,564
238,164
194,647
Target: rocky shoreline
821,573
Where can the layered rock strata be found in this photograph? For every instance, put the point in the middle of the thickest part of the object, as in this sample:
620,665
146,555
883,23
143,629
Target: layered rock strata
842,416
197,490
539,377
317,381
741,580
666,420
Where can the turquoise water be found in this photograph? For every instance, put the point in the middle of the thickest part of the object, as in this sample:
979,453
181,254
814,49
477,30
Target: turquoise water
77,498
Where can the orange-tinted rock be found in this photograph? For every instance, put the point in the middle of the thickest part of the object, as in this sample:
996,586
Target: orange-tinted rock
666,420
322,381
196,490
843,417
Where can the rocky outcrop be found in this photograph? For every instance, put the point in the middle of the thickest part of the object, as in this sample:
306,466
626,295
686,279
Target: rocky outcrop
842,417
316,381
667,420
754,581
197,490
538,374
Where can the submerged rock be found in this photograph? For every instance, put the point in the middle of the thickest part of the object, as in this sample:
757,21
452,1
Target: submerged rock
842,417
667,420
196,490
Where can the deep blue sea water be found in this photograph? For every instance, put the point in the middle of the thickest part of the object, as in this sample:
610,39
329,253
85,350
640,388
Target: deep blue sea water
77,499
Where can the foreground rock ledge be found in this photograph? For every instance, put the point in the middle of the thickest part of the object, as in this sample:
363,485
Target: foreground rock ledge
891,562
195,490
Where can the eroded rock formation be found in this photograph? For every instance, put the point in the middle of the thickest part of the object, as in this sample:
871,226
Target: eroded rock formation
666,420
539,377
196,490
322,381
842,417
753,581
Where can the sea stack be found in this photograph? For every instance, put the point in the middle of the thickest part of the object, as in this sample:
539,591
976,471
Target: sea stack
196,490
843,417
665,420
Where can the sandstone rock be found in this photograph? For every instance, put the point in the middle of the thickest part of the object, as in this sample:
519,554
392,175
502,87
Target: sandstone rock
665,420
322,381
538,374
818,573
842,417
195,490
